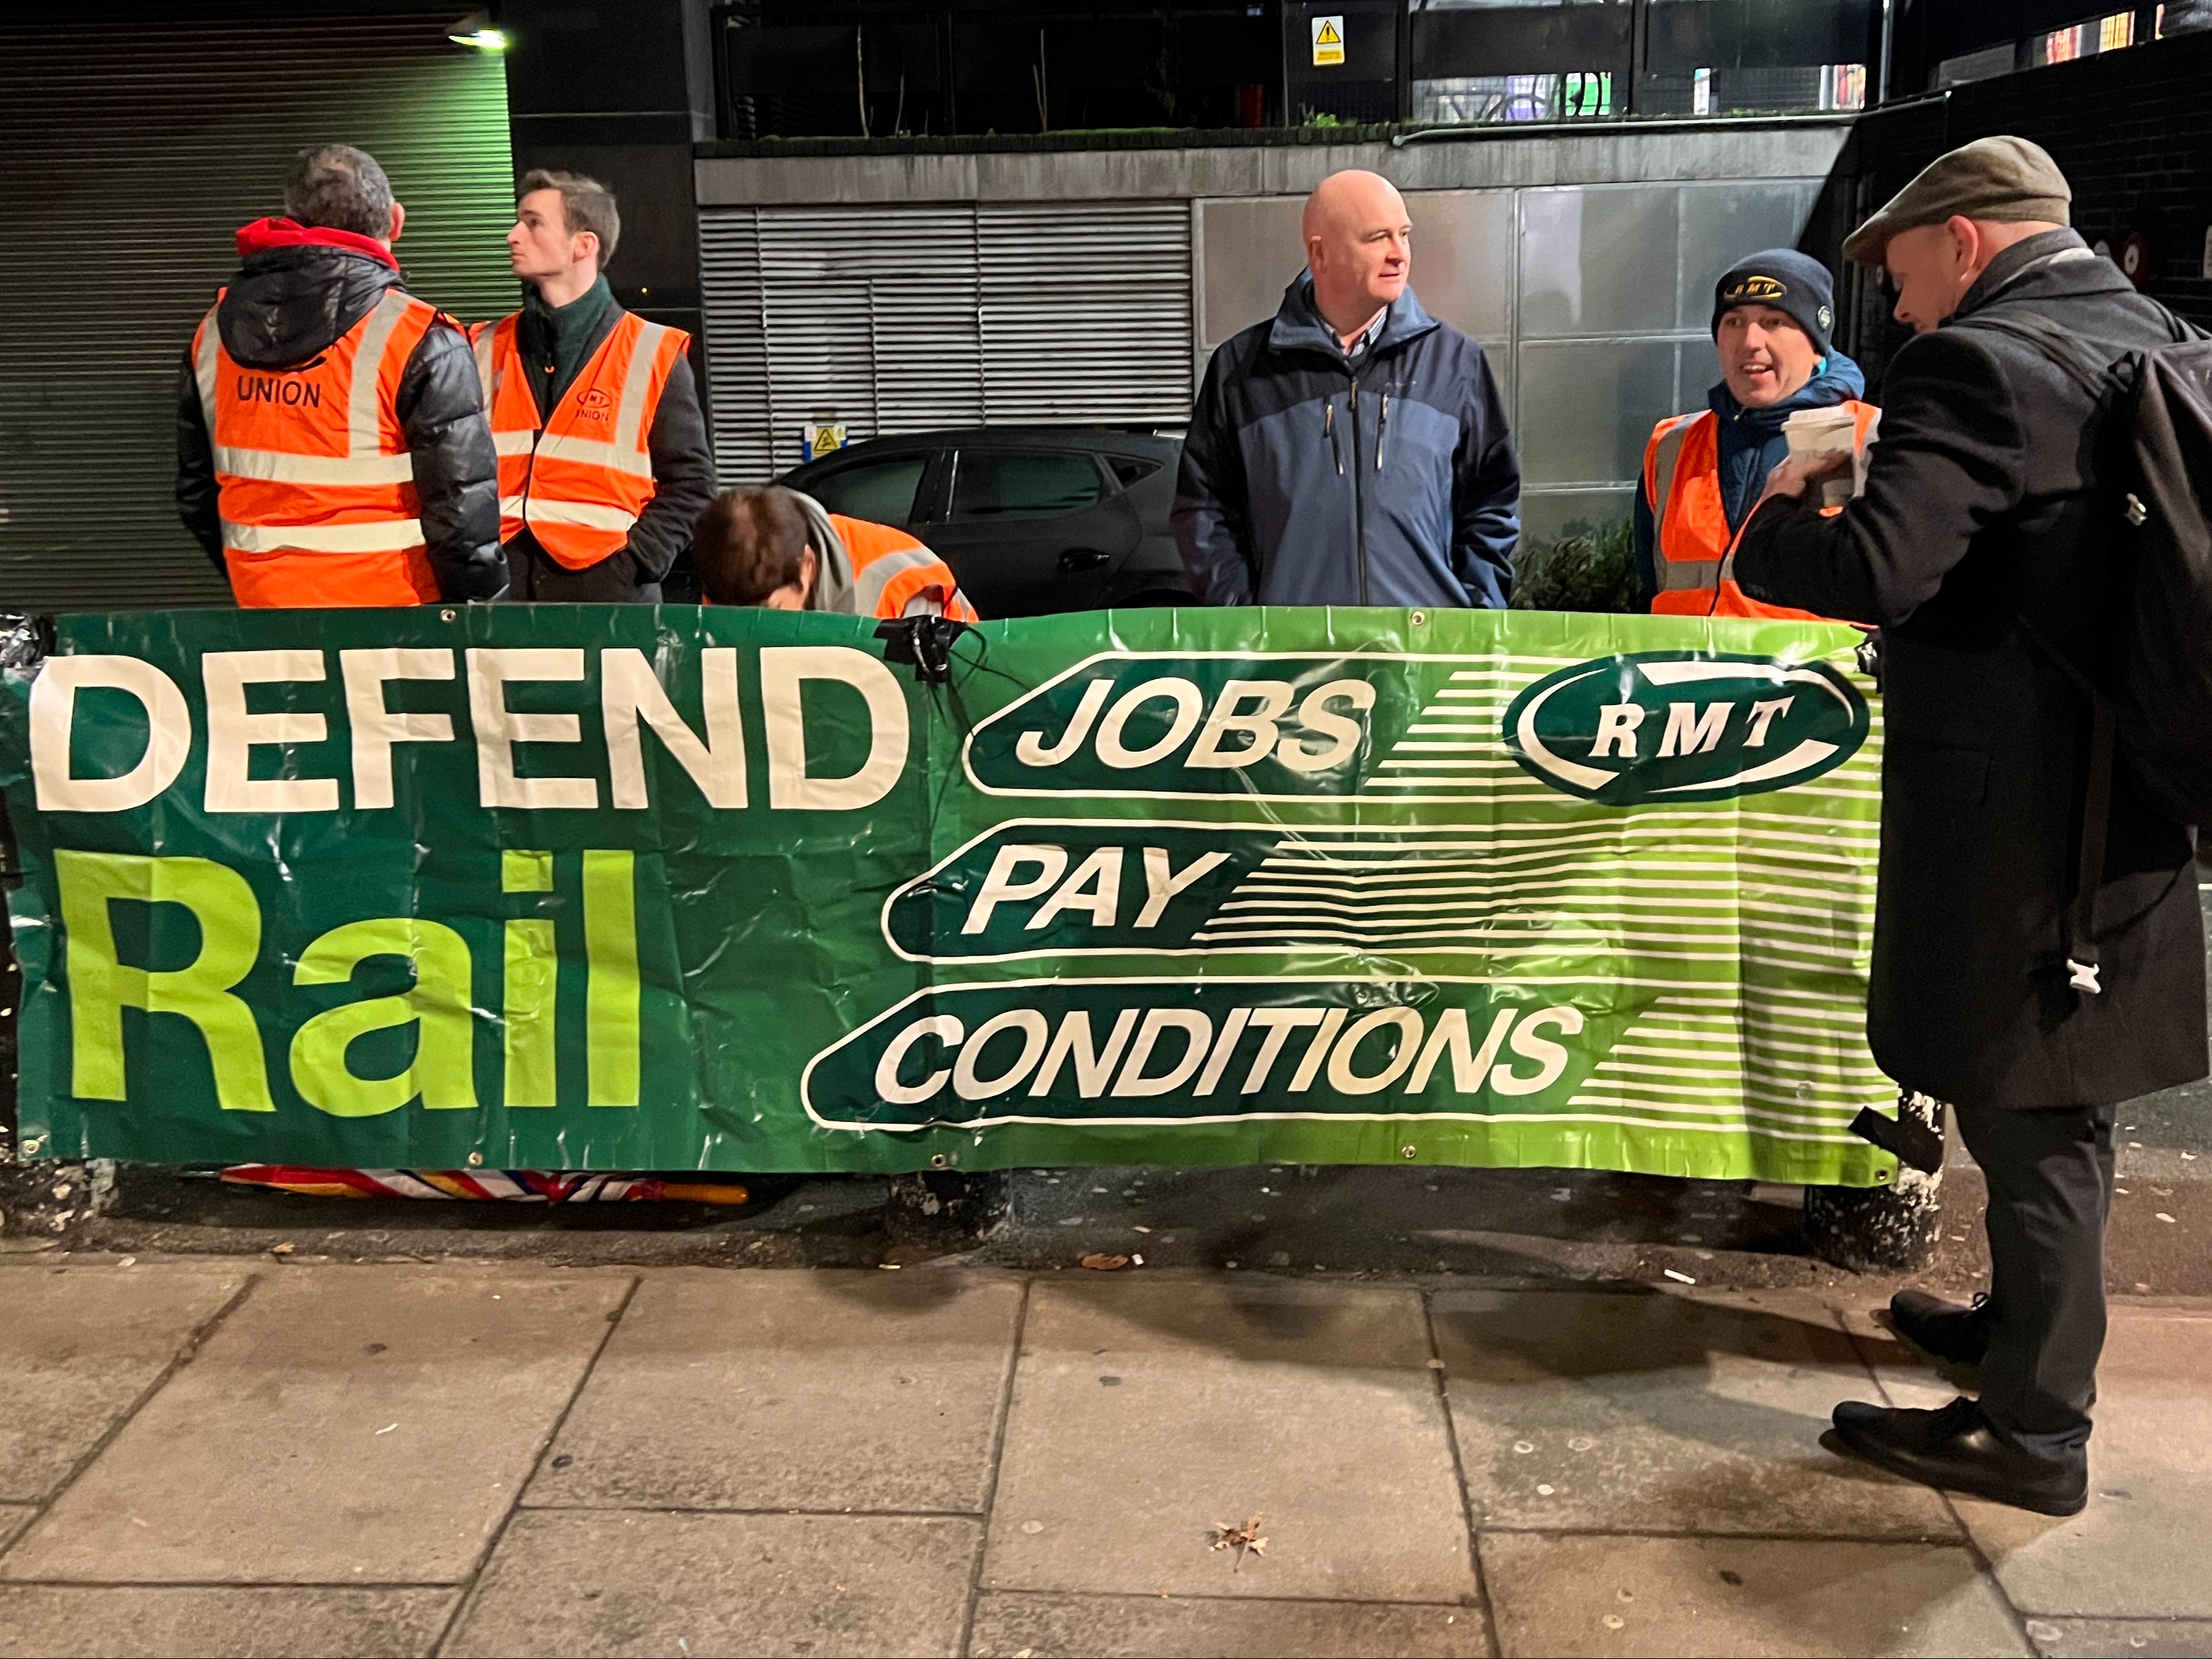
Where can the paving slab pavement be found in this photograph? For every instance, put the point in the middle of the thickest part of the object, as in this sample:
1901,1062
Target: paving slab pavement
1664,1411
2121,1638
1145,1411
2141,1548
128,1622
1046,1625
363,1460
1607,1596
630,1582
344,1425
828,1390
83,1344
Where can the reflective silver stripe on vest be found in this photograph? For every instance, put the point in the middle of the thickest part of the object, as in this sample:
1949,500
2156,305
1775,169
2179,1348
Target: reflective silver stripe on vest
485,371
629,419
1663,467
868,584
591,515
366,435
1675,575
380,536
512,443
595,451
205,363
335,471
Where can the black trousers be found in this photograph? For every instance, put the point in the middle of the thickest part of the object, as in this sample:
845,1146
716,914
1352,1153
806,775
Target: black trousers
2049,1175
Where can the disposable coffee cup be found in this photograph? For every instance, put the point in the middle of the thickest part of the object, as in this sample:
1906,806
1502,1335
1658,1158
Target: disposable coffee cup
1814,433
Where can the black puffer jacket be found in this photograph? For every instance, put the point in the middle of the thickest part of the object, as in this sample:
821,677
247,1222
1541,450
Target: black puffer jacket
287,305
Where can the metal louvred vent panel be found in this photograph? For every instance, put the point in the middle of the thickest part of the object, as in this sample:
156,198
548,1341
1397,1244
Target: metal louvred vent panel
1087,314
129,156
905,318
736,326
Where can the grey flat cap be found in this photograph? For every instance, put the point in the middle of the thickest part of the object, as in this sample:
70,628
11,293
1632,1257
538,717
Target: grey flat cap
2007,180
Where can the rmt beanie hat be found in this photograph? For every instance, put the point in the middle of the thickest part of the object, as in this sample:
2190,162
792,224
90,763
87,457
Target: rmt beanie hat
1790,282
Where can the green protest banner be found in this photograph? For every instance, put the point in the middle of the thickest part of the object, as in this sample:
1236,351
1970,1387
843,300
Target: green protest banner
622,888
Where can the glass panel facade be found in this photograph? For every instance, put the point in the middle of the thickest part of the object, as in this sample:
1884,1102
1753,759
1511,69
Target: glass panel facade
1548,515
1249,250
1612,327
1593,302
1587,406
1598,259
1463,260
1723,224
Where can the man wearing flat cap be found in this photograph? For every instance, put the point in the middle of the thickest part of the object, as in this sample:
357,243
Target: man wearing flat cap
1703,471
1975,548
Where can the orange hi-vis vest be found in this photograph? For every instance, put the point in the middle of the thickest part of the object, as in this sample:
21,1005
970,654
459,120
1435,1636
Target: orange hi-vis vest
579,481
895,575
1692,548
315,486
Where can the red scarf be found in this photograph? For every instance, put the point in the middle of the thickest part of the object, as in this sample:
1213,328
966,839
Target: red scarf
264,235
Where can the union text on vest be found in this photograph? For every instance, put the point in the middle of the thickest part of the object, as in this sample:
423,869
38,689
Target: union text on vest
278,389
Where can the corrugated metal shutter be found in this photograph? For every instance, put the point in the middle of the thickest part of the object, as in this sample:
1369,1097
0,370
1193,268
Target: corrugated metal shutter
129,155
904,319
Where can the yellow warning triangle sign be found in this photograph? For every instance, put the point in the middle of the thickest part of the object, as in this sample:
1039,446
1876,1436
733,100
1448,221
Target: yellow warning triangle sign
1327,35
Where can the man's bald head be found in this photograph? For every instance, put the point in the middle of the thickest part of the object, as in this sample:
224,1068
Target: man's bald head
1353,196
1359,247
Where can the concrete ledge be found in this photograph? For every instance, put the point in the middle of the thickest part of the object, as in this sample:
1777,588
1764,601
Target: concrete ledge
1483,159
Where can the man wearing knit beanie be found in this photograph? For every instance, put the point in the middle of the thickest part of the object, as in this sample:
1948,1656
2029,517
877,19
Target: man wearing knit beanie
2032,985
1703,472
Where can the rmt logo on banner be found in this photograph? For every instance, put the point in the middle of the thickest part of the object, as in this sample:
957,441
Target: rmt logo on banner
1670,726
1622,730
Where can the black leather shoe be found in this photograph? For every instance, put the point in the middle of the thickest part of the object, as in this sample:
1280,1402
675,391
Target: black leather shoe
1957,1449
1944,1329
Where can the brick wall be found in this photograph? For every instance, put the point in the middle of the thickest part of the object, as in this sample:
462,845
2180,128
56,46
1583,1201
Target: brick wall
2132,128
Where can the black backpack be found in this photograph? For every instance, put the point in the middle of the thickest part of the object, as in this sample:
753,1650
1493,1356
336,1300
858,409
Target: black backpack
2152,695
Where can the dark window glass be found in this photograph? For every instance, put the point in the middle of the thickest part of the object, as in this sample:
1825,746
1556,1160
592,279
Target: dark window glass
1130,468
881,492
990,485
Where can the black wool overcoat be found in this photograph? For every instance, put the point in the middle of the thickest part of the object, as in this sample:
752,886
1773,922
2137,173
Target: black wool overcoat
1980,511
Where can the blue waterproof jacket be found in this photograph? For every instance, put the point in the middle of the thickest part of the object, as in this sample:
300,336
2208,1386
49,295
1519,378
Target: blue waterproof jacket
1386,479
1751,447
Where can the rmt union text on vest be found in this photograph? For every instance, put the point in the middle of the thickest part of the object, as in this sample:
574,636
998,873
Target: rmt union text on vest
278,389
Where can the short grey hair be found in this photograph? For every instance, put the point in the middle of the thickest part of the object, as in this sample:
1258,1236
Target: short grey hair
338,187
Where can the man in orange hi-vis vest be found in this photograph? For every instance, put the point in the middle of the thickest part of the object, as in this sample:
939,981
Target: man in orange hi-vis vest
1703,472
777,548
603,460
331,447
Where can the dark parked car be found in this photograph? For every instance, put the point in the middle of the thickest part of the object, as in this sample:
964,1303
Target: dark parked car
1032,520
